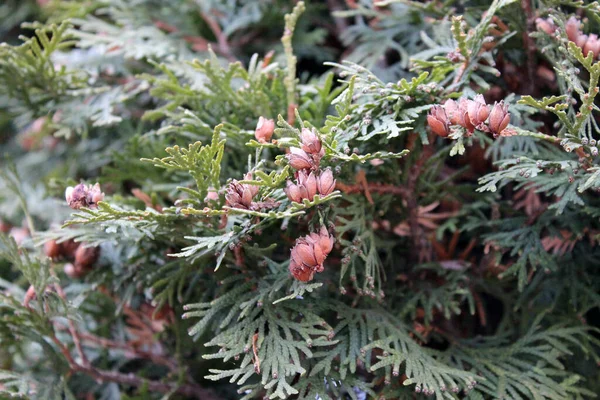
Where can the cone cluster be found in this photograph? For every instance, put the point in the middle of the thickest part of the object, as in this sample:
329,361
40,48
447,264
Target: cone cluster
587,43
84,195
469,114
82,257
310,251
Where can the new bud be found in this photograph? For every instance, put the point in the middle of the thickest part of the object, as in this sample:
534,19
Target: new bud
499,118
212,195
264,130
438,121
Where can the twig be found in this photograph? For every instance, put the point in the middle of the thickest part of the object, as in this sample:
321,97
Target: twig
361,178
198,43
529,46
108,343
223,45
72,328
340,23
190,390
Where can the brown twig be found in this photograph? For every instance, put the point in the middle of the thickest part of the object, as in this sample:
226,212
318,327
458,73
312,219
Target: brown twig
361,179
198,43
108,343
255,353
340,23
480,307
190,390
412,205
223,45
72,328
529,46
187,389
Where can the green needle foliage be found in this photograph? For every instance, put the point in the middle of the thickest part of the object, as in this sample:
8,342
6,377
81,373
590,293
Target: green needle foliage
299,200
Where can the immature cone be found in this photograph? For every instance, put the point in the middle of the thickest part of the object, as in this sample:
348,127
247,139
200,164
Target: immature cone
299,159
546,25
240,195
463,115
477,110
311,143
85,257
300,271
451,108
325,183
264,130
499,118
309,253
52,249
84,196
438,121
4,226
306,188
68,248
458,113
212,195
592,44
580,41
572,28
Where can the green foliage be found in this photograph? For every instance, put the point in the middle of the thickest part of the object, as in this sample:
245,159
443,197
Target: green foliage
30,78
463,263
203,163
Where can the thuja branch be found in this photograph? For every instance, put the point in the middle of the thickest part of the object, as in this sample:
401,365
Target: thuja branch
290,79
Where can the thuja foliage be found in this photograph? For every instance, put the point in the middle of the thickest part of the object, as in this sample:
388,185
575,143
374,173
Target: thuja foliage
286,200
